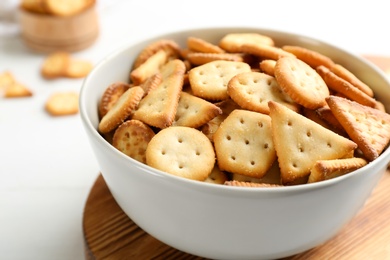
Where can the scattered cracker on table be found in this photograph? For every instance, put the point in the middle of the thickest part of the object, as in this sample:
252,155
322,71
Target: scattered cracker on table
61,64
63,103
11,88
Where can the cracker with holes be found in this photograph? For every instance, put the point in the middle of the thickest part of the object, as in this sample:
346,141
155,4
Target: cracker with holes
250,184
16,90
243,144
368,127
159,107
181,151
226,106
209,81
194,112
232,42
253,90
301,82
217,176
121,110
132,138
329,169
300,143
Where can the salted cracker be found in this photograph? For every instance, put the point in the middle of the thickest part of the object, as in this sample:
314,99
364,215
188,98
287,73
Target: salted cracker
268,66
301,82
194,112
232,42
253,90
181,151
329,169
159,107
62,103
344,87
196,44
121,110
132,138
243,144
111,95
209,81
366,126
310,57
200,58
300,143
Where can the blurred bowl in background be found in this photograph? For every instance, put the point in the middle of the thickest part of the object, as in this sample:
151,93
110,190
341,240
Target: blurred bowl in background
48,33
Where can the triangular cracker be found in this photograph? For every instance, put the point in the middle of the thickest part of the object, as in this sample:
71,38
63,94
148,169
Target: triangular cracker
194,112
300,143
159,107
366,126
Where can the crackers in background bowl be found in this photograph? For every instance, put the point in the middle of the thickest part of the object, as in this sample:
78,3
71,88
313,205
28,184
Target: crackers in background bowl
245,112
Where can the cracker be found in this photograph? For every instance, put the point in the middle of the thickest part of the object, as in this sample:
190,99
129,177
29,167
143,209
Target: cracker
132,138
209,81
329,169
268,67
78,68
55,65
345,74
250,184
243,144
217,176
366,126
227,106
199,45
121,110
310,57
63,103
301,82
16,90
6,79
232,42
199,58
300,143
35,6
194,112
65,7
150,67
159,107
271,177
253,90
265,51
171,48
181,151
111,96
151,83
342,86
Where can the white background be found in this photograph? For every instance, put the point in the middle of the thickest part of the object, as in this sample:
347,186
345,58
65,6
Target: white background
46,165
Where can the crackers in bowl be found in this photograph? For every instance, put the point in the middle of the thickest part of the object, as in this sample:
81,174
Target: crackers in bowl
243,112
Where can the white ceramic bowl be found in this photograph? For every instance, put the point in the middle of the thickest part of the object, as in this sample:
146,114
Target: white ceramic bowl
222,222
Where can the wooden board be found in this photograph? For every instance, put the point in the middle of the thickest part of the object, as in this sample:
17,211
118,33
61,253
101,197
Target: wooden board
110,234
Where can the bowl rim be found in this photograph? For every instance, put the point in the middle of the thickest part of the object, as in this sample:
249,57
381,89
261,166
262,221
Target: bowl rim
384,157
